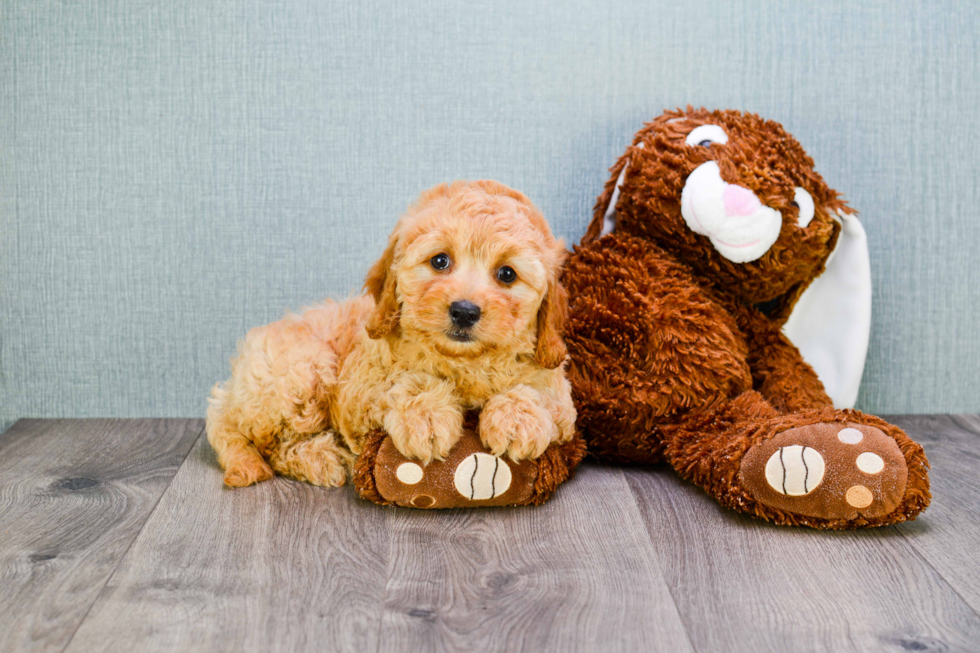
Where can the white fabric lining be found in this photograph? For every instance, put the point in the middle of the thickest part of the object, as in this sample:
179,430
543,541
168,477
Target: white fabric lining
831,322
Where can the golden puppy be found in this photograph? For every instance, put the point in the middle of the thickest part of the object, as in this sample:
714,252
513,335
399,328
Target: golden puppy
464,311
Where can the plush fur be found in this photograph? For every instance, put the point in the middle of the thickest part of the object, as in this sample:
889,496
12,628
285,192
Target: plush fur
306,391
677,353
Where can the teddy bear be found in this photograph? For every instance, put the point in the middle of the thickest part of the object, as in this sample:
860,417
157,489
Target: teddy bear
711,228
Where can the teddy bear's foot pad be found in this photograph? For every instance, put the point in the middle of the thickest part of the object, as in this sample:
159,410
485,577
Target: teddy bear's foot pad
839,471
469,476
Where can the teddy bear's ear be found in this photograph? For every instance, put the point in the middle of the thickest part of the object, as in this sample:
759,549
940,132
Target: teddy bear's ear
604,214
609,215
380,283
831,321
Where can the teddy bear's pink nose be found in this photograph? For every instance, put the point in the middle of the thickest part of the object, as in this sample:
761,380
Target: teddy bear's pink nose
739,200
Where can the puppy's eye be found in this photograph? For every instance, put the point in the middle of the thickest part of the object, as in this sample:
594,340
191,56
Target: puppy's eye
506,274
440,261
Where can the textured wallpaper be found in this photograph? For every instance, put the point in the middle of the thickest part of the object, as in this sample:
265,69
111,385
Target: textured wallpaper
174,173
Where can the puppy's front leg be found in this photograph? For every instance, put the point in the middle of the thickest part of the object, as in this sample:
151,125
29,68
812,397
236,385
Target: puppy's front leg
424,418
523,421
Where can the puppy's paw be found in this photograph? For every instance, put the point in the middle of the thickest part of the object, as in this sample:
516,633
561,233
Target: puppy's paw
330,470
318,460
424,432
246,471
515,423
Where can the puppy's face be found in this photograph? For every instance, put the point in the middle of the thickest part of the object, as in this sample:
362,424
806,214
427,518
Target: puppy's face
473,268
471,282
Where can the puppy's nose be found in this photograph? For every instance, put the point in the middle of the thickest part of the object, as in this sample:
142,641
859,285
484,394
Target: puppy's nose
464,313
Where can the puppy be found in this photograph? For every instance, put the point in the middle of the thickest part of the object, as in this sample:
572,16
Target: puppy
463,311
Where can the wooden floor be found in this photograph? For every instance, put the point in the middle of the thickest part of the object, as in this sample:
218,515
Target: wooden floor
117,535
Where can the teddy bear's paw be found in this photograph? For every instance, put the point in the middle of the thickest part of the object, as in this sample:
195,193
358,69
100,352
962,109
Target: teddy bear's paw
833,471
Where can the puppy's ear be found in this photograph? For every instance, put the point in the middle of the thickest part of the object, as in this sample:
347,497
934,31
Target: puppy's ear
380,283
550,351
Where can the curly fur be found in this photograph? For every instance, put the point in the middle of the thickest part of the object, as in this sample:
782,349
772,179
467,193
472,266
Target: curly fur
305,391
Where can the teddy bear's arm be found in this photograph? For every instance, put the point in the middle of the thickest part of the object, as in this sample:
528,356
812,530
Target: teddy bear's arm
779,372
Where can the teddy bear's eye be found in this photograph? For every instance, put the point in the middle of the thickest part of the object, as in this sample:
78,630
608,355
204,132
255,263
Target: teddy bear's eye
506,274
803,201
706,135
440,261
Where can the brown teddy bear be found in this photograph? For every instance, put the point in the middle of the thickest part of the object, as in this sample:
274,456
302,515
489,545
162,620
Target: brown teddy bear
711,227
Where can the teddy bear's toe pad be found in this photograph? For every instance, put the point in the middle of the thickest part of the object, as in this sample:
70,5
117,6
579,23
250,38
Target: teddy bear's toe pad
827,470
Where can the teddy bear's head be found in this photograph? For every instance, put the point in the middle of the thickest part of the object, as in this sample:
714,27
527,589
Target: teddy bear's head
732,195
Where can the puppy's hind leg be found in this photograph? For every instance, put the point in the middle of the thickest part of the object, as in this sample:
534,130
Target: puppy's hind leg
280,386
240,459
319,459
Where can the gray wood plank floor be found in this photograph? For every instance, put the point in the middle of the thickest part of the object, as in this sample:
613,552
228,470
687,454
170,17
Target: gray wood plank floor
73,497
114,538
948,536
282,566
576,574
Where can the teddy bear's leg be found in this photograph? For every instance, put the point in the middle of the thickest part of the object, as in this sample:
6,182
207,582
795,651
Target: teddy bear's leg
823,468
320,459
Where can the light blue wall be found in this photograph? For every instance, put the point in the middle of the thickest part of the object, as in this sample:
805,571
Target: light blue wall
175,172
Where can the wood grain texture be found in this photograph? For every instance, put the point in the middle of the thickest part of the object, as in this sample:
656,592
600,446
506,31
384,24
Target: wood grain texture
280,566
576,574
745,585
949,534
618,560
73,497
